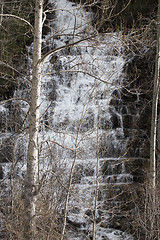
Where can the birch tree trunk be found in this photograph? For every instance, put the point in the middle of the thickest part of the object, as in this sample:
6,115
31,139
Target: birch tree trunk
158,127
2,6
154,145
30,194
154,121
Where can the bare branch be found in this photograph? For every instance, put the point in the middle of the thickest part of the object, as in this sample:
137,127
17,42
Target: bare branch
17,17
14,99
48,54
9,66
62,146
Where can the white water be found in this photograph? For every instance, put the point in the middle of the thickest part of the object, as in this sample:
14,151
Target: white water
76,91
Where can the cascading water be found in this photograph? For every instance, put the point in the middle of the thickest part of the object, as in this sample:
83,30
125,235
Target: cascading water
79,120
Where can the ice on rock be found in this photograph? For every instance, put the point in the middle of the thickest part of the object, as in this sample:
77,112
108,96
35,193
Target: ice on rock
76,88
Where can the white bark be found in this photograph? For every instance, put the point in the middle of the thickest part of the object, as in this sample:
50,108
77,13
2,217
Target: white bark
155,136
2,6
97,183
153,145
32,155
158,127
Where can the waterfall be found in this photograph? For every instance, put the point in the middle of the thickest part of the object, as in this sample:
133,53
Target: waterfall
80,96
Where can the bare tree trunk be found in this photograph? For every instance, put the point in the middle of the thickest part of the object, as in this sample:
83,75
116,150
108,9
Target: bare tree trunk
155,136
30,194
2,6
158,132
96,182
153,144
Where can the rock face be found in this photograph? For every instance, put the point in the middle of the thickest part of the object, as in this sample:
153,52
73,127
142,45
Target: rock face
100,128
123,163
124,158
